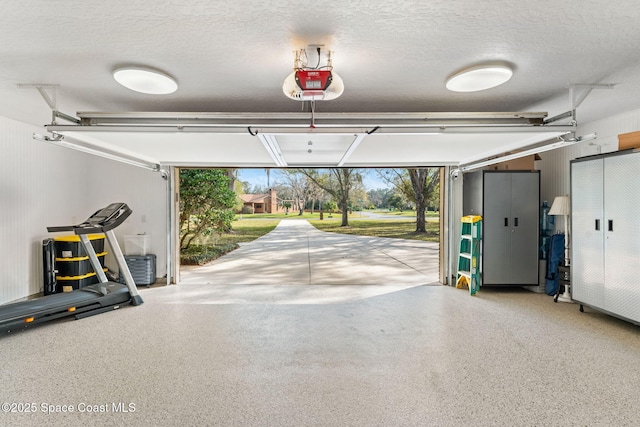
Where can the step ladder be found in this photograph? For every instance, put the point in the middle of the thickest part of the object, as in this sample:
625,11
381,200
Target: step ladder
469,273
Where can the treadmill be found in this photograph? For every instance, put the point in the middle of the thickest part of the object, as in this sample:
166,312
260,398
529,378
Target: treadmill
88,300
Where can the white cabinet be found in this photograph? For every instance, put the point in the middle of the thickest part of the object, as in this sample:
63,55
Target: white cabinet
605,221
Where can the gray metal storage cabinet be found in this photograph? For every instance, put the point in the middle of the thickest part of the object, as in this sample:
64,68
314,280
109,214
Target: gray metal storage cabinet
605,233
509,203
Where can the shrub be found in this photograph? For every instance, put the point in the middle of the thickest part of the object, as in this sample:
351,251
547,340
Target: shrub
206,204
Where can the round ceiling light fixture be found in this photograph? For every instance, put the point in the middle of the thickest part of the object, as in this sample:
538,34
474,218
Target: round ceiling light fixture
479,78
145,80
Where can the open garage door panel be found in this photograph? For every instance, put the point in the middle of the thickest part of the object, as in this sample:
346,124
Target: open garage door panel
288,141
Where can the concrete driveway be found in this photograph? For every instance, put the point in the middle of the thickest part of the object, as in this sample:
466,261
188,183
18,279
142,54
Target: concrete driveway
296,253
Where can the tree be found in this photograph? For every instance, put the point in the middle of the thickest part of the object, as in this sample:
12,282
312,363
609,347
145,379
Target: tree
423,182
338,183
331,206
301,188
358,197
417,185
380,197
315,194
397,202
206,203
238,189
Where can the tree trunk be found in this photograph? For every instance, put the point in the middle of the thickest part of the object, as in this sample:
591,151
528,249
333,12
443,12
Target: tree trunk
231,173
345,218
344,179
421,221
418,182
344,207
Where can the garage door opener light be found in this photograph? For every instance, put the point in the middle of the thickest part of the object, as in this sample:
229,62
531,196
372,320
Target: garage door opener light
317,82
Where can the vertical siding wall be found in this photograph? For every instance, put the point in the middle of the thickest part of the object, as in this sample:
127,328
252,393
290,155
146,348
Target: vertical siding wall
43,185
145,193
555,165
33,181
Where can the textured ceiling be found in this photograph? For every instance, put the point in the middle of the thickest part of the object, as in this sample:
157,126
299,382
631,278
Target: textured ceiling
232,56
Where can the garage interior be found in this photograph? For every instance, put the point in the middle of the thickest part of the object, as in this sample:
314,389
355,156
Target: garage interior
73,138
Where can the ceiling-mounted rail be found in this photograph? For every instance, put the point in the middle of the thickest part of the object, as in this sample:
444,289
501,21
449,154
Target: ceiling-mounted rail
401,123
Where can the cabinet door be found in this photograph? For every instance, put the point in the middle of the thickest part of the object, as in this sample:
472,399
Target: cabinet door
622,235
496,223
587,228
525,225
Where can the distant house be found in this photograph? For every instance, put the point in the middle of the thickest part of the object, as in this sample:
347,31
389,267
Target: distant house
262,203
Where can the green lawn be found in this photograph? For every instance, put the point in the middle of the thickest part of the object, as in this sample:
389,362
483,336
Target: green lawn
291,215
246,231
211,247
316,215
394,228
403,213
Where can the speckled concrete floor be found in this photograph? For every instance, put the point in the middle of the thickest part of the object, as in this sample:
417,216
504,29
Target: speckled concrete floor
416,356
283,341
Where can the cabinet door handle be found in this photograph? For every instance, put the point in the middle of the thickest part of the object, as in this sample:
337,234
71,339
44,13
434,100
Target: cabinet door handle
597,225
515,222
610,225
506,222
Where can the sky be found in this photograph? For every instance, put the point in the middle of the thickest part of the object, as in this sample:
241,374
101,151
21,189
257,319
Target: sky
259,177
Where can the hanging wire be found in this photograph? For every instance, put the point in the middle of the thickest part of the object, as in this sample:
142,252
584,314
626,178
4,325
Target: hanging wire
301,61
313,113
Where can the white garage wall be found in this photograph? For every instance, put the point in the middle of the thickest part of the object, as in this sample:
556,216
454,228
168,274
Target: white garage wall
555,165
143,191
43,185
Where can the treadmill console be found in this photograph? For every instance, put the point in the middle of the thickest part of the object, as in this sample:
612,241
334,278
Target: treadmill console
103,220
104,215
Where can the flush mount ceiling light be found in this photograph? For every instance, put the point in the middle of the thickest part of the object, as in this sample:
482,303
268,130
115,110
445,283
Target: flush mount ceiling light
313,78
479,78
145,80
